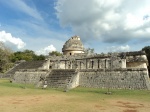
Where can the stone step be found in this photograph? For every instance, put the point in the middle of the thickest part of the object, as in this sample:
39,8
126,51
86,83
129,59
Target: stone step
60,78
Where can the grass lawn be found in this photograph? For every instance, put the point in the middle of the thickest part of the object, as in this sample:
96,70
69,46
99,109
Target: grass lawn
27,98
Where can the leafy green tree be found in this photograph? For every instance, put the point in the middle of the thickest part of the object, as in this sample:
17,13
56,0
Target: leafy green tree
27,55
55,53
39,57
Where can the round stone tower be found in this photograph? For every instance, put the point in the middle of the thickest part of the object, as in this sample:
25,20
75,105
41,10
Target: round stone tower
73,46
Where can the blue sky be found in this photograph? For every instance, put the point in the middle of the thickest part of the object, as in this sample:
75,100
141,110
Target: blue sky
45,25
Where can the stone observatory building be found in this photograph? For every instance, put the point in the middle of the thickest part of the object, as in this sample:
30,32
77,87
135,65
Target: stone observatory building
124,70
73,46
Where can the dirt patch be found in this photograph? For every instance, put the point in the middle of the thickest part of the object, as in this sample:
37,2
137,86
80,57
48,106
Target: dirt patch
98,106
69,103
17,103
129,105
130,110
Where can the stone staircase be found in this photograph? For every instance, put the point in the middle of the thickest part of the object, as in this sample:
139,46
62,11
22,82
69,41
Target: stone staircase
60,78
25,65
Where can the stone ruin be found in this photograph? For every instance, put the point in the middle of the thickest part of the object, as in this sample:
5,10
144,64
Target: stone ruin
126,70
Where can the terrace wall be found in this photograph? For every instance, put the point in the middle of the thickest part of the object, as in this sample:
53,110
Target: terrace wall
119,78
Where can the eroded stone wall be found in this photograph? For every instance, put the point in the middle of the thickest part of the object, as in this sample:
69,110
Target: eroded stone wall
29,76
124,78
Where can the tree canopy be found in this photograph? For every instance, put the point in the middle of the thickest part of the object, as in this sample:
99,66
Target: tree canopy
55,53
27,55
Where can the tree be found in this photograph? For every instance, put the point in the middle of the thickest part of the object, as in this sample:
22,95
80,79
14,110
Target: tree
38,57
8,58
27,55
5,58
55,53
147,51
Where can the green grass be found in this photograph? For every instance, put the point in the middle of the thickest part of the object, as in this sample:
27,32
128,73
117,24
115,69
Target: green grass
8,88
93,94
6,83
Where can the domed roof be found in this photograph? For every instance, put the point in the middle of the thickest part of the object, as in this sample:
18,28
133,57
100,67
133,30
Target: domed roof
73,44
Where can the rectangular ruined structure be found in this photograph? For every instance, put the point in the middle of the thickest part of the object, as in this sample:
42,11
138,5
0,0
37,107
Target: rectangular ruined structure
126,70
116,70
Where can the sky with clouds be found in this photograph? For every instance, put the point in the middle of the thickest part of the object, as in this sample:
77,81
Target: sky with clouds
45,25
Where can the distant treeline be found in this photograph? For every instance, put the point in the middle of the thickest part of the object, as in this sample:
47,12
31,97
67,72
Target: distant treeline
8,58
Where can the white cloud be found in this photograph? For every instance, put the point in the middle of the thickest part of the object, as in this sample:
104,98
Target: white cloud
119,48
116,21
7,38
133,21
46,50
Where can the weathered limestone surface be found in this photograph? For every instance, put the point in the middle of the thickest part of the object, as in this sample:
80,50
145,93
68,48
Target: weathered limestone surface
29,76
62,78
125,79
28,65
73,46
100,61
95,78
